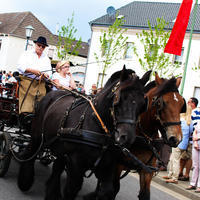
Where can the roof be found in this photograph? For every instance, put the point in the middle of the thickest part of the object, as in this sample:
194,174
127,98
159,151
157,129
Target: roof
15,23
137,14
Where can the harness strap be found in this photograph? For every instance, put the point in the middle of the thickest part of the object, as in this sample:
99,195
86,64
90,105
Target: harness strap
127,121
90,102
171,123
99,118
125,173
81,136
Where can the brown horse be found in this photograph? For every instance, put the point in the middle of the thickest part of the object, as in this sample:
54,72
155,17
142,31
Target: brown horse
163,114
165,106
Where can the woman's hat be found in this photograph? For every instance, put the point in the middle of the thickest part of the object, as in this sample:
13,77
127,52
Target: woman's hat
41,40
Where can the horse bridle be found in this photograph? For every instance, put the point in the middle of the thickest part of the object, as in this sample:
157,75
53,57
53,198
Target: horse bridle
159,105
116,99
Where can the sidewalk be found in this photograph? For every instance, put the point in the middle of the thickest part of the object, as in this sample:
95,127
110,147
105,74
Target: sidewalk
179,188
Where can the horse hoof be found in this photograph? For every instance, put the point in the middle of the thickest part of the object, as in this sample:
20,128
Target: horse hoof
24,187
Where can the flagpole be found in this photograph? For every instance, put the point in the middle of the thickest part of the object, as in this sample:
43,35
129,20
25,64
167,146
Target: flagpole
189,47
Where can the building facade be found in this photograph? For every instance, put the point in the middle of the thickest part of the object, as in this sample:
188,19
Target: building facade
136,15
13,42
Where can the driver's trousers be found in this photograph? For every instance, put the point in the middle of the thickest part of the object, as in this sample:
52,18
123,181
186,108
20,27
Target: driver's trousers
30,91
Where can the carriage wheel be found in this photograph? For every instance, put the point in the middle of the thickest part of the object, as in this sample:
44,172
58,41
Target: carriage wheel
5,154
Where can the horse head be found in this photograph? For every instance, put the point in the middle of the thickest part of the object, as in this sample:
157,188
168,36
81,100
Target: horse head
128,102
167,104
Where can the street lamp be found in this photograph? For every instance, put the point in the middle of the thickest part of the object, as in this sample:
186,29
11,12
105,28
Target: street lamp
29,31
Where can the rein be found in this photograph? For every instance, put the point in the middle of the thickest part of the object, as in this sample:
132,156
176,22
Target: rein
149,142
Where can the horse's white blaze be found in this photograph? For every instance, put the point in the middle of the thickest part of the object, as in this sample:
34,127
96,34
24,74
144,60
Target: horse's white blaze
175,98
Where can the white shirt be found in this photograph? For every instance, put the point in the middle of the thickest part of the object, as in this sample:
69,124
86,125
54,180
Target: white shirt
12,79
29,59
65,81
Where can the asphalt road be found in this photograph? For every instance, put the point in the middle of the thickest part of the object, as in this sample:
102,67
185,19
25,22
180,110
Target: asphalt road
129,187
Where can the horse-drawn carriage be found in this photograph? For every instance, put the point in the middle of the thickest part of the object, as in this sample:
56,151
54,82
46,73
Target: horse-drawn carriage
94,134
14,137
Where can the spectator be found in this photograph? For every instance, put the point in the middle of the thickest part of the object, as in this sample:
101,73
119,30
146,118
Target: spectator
93,90
63,77
1,76
9,74
174,162
4,78
164,156
186,158
195,181
80,88
12,79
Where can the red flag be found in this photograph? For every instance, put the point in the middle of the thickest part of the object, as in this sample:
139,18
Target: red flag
174,44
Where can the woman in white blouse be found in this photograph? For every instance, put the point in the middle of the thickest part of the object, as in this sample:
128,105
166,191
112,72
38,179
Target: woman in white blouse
63,77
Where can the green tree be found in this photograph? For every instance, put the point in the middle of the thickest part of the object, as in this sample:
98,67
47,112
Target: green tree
67,44
154,41
112,41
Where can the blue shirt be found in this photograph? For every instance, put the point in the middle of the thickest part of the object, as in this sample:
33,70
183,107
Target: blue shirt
186,130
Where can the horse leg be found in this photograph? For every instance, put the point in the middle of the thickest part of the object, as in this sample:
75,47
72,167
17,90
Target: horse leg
74,179
26,170
145,182
26,175
53,184
108,186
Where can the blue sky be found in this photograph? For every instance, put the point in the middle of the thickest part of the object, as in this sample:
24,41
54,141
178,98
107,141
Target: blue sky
52,12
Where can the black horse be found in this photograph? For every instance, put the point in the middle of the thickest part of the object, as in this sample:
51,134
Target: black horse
163,114
83,133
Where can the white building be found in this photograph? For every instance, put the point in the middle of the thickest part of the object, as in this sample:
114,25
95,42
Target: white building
13,42
136,15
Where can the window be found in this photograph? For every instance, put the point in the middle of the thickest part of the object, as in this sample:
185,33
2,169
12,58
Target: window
129,50
152,50
105,47
179,59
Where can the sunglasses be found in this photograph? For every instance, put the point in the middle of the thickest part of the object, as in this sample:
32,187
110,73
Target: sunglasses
41,45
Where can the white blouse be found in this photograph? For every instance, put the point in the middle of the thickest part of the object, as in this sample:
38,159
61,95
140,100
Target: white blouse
65,81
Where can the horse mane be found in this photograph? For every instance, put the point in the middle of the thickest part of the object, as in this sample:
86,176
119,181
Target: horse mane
116,76
132,84
165,87
149,86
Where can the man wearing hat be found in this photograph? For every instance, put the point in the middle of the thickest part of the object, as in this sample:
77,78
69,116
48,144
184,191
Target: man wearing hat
33,65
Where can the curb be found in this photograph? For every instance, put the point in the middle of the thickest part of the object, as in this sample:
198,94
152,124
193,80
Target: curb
179,188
